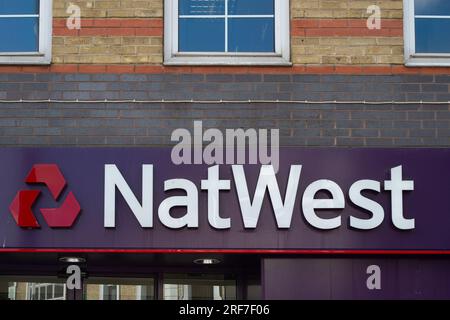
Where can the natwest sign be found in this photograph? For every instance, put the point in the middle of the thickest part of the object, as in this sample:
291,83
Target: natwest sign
250,205
320,199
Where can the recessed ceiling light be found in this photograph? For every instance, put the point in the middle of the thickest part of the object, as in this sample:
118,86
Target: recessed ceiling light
207,261
72,259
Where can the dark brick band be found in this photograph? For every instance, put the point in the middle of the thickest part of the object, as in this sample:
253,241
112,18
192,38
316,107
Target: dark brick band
126,124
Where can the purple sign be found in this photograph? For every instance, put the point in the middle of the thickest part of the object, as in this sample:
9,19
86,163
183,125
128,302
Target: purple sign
324,199
348,279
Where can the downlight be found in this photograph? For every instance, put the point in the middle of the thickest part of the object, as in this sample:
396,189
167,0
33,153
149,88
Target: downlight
207,261
72,259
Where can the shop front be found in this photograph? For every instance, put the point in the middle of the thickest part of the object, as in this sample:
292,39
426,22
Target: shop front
326,224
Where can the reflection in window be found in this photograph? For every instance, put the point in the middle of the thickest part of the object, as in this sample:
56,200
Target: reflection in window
22,17
32,288
109,292
199,287
226,26
119,289
432,26
12,286
46,291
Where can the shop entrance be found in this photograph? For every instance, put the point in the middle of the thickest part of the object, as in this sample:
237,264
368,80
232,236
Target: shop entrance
33,276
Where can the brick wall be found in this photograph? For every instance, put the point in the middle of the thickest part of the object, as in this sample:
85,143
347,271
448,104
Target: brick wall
118,55
327,32
327,36
111,8
392,9
150,124
334,32
113,32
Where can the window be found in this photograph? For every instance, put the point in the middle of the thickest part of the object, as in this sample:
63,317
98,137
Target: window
12,286
199,287
226,32
427,28
119,289
25,31
46,291
145,292
109,292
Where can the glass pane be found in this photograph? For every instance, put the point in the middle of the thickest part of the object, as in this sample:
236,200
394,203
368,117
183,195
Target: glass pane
198,287
201,35
251,35
31,287
147,292
42,293
34,295
432,7
201,7
50,291
109,292
432,35
59,291
129,289
24,38
19,6
11,291
251,7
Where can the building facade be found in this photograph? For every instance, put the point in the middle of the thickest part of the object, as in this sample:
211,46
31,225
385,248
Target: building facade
124,74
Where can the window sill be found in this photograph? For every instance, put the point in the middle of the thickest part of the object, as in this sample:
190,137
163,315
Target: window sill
226,61
25,58
428,61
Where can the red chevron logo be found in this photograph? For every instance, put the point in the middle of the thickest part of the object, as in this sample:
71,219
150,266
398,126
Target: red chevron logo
62,217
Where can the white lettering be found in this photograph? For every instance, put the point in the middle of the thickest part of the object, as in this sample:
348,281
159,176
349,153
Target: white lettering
397,185
144,212
190,201
213,185
365,203
267,180
310,204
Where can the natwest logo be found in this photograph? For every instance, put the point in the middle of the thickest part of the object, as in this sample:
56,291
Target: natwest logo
21,206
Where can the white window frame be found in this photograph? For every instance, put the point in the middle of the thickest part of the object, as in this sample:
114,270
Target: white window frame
44,55
281,57
44,286
12,290
413,59
138,292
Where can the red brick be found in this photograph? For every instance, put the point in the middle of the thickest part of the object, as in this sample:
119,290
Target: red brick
348,69
35,69
305,23
319,69
377,69
333,23
148,69
403,69
64,31
141,23
435,70
117,68
148,32
63,68
92,68
12,69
